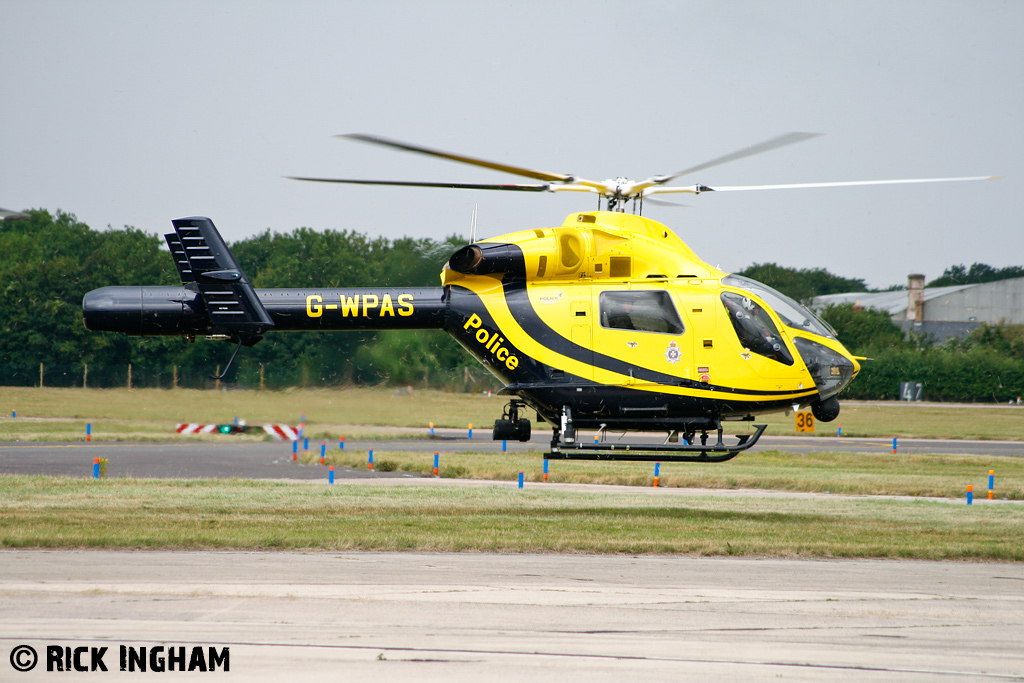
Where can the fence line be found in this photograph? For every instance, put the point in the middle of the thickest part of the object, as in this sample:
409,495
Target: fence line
972,378
242,376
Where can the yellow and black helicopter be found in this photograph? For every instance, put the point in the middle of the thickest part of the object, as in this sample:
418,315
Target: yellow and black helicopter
608,322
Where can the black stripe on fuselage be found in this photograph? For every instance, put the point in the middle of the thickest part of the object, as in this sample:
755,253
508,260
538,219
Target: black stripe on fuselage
593,403
518,301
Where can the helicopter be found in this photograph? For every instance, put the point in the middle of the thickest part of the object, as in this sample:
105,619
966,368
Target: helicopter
607,322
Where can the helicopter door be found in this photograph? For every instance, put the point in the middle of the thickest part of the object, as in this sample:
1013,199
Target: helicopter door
582,333
642,328
708,360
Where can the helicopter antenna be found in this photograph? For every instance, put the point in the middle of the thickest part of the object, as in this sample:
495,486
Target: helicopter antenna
472,227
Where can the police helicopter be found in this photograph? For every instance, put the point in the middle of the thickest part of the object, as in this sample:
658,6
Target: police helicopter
607,322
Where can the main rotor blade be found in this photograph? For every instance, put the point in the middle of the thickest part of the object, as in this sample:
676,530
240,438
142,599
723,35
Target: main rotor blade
767,145
516,170
410,183
852,183
662,202
8,215
697,189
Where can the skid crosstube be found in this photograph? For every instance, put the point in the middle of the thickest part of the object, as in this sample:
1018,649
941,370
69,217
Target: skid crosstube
718,452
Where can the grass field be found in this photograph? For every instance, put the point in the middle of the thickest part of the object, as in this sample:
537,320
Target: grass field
933,476
47,512
219,514
150,414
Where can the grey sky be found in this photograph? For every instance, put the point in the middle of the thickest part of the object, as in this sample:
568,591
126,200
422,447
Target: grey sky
139,112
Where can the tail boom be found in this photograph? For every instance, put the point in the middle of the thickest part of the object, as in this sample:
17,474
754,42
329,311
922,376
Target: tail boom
182,311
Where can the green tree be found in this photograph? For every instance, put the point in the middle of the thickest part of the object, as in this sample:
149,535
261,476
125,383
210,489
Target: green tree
949,374
802,284
1007,340
863,330
976,274
48,264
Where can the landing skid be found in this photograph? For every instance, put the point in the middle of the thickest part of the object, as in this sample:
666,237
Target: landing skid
719,452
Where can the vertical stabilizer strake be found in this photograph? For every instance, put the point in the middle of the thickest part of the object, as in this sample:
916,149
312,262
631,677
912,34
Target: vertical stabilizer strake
204,261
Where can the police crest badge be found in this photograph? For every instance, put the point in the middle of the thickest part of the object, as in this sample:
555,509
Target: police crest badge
672,352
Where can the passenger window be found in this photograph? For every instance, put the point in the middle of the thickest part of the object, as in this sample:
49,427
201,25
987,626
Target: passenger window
755,328
644,311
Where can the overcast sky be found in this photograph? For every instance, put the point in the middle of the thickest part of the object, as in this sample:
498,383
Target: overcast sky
135,113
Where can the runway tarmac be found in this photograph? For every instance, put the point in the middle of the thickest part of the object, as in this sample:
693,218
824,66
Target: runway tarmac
261,460
187,460
471,617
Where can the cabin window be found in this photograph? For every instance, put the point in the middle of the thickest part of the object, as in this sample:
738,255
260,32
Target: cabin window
755,328
644,311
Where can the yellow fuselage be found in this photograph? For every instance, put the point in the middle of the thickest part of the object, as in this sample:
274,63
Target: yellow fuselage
548,328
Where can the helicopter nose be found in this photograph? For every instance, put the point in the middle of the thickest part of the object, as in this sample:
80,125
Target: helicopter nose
831,370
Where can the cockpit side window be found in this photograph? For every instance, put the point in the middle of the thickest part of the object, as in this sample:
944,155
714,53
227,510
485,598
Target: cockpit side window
644,311
790,312
755,328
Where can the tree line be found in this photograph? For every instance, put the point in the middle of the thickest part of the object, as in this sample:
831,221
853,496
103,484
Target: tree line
49,261
986,366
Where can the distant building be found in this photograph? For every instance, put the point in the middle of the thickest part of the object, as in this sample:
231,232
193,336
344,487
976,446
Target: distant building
941,312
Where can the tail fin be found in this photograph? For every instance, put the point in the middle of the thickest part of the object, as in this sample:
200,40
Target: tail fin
204,261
